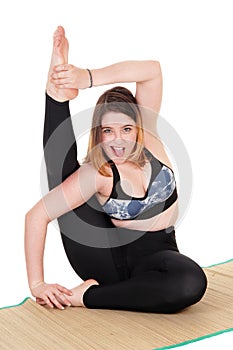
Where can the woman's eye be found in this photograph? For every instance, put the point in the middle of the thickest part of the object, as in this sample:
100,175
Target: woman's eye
107,131
127,129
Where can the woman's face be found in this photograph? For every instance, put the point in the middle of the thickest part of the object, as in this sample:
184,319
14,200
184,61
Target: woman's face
119,135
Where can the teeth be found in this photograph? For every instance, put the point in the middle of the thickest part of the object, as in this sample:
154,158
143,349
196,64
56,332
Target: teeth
119,151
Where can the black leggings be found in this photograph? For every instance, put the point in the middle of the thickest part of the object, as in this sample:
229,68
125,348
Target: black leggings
148,274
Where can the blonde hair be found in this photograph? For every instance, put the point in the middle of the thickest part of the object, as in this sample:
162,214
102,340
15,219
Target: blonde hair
121,100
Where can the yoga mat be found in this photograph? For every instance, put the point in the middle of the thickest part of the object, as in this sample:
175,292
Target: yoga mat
31,326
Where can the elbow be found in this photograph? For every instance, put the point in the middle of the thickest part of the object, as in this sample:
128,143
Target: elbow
28,216
37,215
155,68
35,226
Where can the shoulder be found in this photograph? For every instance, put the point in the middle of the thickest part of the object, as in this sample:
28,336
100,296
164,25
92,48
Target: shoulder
156,147
92,174
89,171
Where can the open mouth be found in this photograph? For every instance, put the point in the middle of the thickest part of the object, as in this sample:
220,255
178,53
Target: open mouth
118,151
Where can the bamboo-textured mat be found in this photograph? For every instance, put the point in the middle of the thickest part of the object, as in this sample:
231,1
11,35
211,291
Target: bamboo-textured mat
30,326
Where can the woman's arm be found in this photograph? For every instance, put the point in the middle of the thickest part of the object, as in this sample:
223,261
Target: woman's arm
73,192
36,222
146,74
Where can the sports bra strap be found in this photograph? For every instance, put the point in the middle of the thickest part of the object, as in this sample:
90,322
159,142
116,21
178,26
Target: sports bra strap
116,178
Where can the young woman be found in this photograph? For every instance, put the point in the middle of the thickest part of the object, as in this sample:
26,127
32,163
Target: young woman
124,190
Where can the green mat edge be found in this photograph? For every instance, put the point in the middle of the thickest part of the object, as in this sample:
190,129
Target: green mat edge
221,263
169,346
195,339
22,302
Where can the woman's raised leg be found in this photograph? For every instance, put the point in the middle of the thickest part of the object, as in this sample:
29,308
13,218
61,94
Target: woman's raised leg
83,228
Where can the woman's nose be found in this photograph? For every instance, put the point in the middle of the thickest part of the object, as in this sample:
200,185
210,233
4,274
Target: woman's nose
118,137
118,140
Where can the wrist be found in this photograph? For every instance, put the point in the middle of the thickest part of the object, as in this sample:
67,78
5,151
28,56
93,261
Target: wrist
35,284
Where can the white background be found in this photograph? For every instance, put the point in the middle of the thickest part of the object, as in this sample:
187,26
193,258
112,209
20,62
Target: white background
193,42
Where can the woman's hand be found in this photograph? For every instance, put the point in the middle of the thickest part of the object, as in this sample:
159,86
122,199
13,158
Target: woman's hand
67,76
51,295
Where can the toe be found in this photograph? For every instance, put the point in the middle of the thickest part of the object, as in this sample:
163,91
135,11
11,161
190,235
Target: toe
61,30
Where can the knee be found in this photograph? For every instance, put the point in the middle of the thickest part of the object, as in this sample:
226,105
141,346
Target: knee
195,286
190,289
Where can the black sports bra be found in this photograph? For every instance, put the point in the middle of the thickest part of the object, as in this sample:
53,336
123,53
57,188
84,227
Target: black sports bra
160,195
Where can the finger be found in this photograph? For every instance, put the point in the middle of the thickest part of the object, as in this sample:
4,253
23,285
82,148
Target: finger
64,86
55,302
59,75
63,300
48,302
62,67
39,299
60,81
41,302
64,289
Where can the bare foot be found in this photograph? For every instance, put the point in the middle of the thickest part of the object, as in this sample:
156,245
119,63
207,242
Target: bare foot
77,298
59,56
